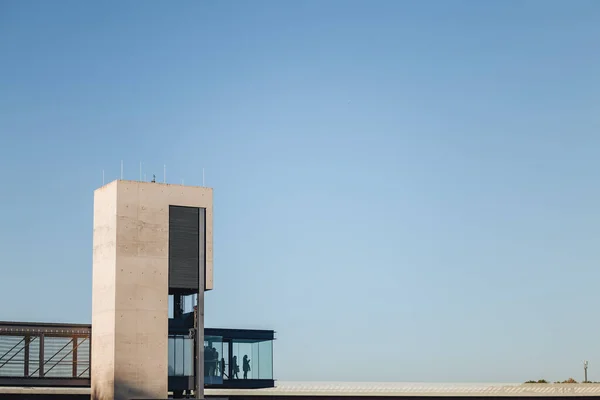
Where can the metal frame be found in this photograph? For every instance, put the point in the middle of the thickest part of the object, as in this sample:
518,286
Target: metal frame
178,328
241,334
244,384
32,332
50,329
44,382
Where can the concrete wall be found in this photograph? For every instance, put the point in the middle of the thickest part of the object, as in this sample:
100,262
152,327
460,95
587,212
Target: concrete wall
103,291
130,311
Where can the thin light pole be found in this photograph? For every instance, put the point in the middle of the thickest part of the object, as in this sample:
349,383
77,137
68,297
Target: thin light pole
200,304
585,367
200,342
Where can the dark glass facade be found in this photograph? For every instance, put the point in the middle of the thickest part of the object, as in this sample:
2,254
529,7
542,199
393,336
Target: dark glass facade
233,358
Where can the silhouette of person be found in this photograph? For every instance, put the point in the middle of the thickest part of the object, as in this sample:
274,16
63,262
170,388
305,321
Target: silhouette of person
215,360
235,368
207,356
246,366
223,368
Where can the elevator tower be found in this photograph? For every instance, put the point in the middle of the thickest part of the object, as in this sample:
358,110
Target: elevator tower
150,240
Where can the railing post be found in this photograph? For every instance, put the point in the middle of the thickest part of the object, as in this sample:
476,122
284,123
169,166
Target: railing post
90,355
41,368
230,356
26,356
75,357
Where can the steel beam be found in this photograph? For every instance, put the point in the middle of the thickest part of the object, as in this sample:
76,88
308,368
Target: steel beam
41,365
18,329
26,356
200,312
75,357
19,381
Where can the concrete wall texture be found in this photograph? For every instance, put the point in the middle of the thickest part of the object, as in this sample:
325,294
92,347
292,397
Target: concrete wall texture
130,285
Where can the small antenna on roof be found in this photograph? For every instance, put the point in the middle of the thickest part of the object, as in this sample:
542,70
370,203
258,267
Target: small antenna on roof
102,177
165,174
140,170
121,169
203,177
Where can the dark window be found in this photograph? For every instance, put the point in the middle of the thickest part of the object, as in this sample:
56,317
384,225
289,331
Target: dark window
186,248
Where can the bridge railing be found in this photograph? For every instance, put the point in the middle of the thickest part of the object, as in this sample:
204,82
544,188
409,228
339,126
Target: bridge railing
37,354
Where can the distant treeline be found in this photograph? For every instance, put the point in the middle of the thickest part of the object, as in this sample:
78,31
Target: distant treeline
570,380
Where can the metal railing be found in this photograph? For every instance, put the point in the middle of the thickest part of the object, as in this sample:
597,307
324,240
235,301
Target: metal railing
44,354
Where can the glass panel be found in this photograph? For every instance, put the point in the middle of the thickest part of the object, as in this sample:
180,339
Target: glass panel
171,356
252,360
235,361
58,357
225,361
188,352
83,358
213,353
181,356
265,364
34,356
251,370
12,356
178,356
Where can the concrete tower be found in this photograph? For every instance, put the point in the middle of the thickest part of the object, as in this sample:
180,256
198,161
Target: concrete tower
149,241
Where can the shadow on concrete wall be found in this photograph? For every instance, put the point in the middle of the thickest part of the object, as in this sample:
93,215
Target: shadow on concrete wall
123,391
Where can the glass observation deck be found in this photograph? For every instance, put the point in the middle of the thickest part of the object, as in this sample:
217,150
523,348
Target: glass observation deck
233,358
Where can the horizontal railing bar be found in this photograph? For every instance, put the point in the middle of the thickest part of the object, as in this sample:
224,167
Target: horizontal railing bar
47,330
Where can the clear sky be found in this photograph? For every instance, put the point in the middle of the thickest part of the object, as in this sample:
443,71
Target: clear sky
404,191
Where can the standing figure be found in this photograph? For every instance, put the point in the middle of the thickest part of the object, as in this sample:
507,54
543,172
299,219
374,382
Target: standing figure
216,362
223,373
206,361
246,366
235,368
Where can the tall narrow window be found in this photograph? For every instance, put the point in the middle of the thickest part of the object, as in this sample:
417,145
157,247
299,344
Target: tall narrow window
187,247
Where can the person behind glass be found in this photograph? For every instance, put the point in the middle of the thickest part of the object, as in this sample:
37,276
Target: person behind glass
223,368
215,360
235,368
206,361
246,366
207,357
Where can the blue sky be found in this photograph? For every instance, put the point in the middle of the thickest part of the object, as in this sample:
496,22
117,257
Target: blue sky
404,191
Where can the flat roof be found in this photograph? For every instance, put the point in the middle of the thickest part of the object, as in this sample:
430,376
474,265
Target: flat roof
374,389
412,389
